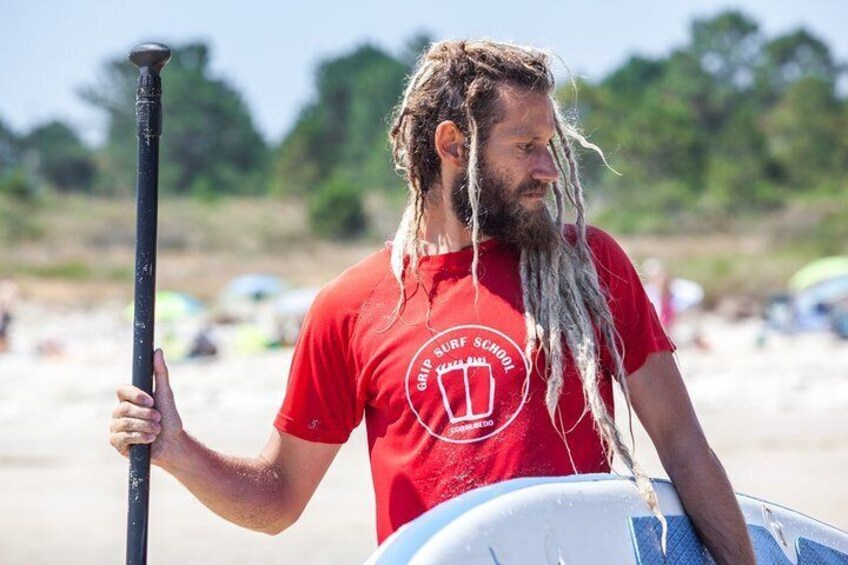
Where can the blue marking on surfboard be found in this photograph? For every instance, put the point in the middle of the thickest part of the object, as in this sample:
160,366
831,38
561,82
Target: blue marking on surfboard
766,548
684,547
813,553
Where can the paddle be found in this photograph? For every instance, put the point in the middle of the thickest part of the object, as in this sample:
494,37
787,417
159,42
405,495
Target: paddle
149,58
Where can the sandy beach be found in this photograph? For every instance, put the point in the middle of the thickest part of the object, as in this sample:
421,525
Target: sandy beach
776,416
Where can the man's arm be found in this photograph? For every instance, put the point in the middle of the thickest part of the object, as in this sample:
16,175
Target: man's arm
266,493
662,404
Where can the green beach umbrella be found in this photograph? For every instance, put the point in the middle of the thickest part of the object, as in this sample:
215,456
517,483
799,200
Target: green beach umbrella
819,271
171,306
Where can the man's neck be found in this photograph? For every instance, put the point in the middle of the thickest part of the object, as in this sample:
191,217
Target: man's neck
442,231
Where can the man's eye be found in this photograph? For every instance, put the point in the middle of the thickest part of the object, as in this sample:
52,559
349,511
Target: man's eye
526,147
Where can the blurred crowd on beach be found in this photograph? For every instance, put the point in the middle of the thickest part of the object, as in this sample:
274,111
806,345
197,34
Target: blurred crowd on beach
258,311
253,313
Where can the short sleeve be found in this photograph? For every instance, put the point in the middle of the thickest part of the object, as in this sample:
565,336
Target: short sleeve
321,402
633,313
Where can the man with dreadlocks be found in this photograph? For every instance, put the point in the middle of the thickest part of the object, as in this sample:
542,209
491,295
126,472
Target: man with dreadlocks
481,345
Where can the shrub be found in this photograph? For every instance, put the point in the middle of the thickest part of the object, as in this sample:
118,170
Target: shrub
336,210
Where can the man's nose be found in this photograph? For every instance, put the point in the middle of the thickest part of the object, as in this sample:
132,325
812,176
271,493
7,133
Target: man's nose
544,168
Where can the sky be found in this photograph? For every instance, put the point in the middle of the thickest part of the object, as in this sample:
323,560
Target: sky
269,50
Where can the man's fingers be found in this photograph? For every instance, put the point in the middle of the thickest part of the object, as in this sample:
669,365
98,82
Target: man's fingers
130,393
130,410
134,420
122,440
160,369
134,425
134,395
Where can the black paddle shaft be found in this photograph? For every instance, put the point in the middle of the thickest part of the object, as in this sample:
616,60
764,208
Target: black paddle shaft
149,58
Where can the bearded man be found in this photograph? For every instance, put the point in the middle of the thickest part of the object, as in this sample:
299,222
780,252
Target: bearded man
481,345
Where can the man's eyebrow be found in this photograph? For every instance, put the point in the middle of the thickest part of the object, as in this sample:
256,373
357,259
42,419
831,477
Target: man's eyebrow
525,133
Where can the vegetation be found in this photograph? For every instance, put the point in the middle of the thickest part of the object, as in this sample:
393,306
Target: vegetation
731,124
336,210
344,130
210,144
733,131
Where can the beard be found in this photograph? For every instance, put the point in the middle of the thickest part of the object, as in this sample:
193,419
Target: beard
501,214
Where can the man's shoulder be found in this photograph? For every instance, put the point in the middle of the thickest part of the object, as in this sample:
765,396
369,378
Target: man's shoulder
346,293
611,262
599,240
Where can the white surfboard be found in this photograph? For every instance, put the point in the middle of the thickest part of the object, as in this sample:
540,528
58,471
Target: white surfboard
592,520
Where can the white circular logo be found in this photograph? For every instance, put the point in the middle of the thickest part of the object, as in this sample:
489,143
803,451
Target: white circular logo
467,383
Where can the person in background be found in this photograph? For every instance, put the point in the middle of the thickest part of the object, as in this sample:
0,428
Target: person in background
658,288
676,301
9,294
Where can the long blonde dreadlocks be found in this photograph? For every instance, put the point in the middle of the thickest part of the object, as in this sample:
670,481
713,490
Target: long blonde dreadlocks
459,81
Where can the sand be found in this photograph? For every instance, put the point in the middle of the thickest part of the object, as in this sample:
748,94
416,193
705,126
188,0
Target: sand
776,416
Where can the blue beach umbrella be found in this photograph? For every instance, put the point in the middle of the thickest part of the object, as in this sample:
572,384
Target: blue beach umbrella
254,287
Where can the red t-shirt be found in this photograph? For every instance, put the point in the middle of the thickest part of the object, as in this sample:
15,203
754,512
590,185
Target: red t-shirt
449,399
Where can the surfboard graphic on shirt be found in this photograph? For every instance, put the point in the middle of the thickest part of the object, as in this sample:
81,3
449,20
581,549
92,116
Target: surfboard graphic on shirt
467,383
468,389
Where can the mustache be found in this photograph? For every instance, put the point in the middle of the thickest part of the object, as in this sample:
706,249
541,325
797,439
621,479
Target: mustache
533,186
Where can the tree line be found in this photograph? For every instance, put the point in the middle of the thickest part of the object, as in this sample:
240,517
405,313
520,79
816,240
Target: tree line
732,121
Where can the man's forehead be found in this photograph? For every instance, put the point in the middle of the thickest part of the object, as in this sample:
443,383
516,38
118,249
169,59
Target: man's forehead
525,113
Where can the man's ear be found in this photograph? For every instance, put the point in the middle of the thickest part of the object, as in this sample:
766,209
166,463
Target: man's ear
450,144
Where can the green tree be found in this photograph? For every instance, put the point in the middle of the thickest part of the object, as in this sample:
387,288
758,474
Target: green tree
728,47
60,157
9,149
336,210
19,204
737,174
644,116
700,128
209,139
806,134
635,76
19,194
344,130
416,46
792,57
